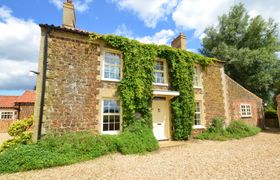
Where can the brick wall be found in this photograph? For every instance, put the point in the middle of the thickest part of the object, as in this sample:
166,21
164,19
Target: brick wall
213,92
238,95
26,110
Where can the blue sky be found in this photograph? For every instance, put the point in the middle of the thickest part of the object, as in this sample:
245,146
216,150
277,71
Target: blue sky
149,21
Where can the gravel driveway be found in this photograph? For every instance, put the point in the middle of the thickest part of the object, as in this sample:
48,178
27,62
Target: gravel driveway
255,157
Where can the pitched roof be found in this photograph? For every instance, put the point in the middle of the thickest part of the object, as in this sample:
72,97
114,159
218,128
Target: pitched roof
27,96
7,101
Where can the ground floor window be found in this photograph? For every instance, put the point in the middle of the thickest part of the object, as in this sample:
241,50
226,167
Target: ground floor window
245,110
111,116
7,115
197,118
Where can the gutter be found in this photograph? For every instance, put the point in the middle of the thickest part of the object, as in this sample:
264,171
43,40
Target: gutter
44,75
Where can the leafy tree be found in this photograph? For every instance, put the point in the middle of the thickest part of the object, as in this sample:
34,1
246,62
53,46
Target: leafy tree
248,46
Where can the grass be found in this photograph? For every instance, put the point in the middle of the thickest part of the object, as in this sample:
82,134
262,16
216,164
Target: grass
75,147
236,130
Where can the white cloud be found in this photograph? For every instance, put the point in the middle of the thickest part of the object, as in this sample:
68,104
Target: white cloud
80,5
19,48
198,14
122,30
149,11
162,37
193,50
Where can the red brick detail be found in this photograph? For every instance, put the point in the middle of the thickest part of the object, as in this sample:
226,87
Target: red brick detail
238,95
5,124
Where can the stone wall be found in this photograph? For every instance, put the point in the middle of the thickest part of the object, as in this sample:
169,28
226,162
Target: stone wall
213,92
71,86
238,95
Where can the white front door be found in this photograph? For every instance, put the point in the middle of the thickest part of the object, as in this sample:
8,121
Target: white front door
160,113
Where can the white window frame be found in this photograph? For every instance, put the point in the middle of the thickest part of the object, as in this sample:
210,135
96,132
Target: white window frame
102,116
161,71
197,75
103,66
200,126
13,115
200,113
248,110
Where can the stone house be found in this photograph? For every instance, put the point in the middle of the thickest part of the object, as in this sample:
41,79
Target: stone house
77,87
13,108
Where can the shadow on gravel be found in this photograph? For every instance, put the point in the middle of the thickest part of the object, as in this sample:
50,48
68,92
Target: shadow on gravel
271,130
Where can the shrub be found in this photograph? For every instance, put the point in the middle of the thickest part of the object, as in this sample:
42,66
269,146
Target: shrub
239,129
271,114
236,130
57,150
137,139
216,126
19,131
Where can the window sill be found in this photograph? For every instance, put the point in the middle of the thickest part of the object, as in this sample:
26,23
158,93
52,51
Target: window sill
199,127
197,87
246,116
111,80
111,132
159,84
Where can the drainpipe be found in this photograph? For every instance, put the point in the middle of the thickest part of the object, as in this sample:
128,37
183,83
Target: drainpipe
44,75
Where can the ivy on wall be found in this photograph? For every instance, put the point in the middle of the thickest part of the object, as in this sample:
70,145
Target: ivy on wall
136,85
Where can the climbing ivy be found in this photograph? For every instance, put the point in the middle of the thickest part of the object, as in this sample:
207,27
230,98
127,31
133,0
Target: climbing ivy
136,85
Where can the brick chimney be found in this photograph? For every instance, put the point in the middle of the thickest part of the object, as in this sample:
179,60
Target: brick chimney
69,17
179,42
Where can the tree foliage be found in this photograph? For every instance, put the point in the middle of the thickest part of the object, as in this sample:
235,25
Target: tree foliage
249,46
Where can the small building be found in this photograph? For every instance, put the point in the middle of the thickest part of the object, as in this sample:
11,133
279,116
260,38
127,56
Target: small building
77,88
14,108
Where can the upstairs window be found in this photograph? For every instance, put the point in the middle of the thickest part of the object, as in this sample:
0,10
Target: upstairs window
245,110
112,66
195,77
111,116
197,118
7,115
159,72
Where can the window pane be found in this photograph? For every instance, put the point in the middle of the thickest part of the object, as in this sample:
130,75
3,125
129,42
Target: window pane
117,126
111,119
117,118
111,127
105,119
105,127
112,66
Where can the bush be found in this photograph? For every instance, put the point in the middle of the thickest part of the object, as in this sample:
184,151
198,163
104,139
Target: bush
19,131
137,139
271,114
57,150
239,129
236,130
216,126
20,126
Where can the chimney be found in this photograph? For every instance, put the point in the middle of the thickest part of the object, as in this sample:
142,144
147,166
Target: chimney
69,17
179,42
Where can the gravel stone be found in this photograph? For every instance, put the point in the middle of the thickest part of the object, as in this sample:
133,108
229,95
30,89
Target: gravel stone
256,157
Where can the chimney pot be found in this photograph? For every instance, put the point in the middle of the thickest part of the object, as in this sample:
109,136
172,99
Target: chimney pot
179,42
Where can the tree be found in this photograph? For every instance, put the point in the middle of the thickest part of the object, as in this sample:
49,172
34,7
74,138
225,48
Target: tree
248,46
